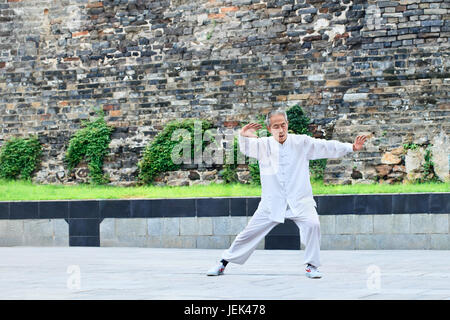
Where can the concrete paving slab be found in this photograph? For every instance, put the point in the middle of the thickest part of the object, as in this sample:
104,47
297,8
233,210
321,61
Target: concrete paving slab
47,273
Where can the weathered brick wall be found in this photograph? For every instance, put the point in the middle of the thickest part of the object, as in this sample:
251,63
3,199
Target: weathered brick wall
376,67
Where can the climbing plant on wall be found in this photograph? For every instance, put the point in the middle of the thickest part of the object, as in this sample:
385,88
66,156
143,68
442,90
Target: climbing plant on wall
19,157
158,155
90,143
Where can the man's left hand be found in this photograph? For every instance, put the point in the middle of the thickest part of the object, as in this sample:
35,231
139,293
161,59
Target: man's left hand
359,142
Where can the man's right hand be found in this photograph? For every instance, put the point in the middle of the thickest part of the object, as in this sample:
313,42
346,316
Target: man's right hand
250,129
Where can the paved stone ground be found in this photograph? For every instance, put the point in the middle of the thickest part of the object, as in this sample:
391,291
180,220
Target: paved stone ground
149,273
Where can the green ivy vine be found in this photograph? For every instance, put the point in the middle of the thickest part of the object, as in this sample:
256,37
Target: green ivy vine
90,143
157,156
19,157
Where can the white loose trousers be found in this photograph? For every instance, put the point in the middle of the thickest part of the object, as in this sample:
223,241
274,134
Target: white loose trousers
260,225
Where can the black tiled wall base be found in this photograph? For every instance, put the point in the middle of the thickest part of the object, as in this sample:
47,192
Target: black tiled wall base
84,232
84,216
284,236
280,242
84,241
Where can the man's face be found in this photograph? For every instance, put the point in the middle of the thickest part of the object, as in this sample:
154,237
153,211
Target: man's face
278,127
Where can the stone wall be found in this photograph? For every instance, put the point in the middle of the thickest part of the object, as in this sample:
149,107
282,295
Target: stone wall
34,232
338,232
347,222
374,67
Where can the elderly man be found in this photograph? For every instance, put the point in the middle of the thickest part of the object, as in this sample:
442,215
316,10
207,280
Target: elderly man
286,188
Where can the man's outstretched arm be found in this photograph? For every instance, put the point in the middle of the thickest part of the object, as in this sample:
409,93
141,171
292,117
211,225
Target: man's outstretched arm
321,149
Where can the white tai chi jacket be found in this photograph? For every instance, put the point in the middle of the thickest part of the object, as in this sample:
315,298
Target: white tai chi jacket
284,169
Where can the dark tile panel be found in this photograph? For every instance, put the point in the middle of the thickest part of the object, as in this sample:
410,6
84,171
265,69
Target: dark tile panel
288,228
84,227
84,209
24,210
114,208
373,204
53,209
336,204
235,206
84,241
4,210
213,207
280,242
238,207
410,203
440,203
316,199
173,208
252,205
141,208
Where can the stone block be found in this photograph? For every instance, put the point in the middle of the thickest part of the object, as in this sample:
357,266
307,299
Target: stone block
367,241
205,226
414,161
112,242
337,242
383,169
172,241
440,152
3,227
107,229
62,241
38,228
435,11
213,242
221,226
131,241
421,223
390,158
237,224
154,241
346,224
34,240
171,226
392,242
327,224
383,223
439,223
11,241
440,241
364,224
189,226
131,227
355,96
60,228
401,223
12,228
408,242
154,226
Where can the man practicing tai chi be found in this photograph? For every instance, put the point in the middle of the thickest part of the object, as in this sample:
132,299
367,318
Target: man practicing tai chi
285,188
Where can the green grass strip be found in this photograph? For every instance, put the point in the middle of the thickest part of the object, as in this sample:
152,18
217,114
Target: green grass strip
24,190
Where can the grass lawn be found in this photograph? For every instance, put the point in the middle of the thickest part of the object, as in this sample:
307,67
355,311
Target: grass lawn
23,190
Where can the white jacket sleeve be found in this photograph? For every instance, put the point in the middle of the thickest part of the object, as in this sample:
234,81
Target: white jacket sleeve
320,148
249,146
